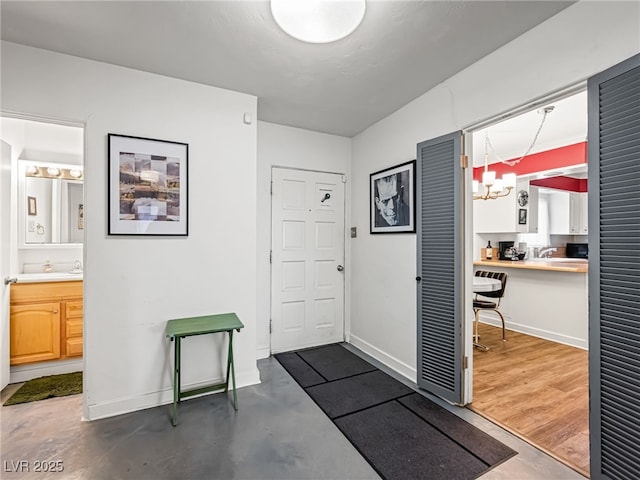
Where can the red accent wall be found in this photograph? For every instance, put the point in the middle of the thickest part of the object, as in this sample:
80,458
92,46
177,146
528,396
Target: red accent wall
570,155
562,183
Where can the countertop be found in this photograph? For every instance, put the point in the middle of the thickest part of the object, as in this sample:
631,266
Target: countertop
552,264
48,277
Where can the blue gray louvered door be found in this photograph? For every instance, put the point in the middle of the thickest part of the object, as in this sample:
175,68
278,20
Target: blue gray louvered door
614,271
439,220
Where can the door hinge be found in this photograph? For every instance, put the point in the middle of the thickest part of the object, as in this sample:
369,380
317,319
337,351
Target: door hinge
270,256
344,179
270,326
271,189
465,363
464,161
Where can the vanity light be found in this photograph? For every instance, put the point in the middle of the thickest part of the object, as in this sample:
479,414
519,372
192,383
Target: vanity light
53,171
32,170
75,173
318,21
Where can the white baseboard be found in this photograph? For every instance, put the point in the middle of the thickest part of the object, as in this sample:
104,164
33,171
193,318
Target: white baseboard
402,368
162,397
23,373
263,352
537,332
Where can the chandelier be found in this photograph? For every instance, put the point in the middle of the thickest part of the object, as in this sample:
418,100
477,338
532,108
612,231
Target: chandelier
492,187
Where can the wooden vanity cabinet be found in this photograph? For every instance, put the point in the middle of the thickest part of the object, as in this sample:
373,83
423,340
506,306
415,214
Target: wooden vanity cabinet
45,321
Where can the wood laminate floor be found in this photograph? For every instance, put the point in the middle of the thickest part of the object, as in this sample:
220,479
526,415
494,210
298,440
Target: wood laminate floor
537,389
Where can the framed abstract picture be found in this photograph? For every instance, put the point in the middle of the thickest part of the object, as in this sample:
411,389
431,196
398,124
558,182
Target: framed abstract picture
148,186
392,200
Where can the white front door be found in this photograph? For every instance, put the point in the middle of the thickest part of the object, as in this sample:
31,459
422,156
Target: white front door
307,273
5,267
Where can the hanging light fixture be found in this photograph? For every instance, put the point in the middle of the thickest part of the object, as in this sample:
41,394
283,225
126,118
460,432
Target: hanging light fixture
492,187
318,21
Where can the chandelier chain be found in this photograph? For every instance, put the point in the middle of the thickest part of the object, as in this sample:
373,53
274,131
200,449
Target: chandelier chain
511,163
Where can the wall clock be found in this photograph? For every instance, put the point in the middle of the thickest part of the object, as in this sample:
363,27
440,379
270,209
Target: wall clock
523,198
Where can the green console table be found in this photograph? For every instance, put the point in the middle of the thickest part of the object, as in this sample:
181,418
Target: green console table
179,328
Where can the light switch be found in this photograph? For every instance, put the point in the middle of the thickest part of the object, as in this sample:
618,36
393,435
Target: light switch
32,226
354,232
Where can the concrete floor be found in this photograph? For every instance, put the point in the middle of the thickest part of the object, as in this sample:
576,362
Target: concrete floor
278,433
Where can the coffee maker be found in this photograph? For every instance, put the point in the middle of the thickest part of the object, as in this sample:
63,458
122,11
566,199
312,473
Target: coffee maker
504,250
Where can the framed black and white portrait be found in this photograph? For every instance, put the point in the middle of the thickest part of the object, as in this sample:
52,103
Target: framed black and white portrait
392,199
522,216
148,191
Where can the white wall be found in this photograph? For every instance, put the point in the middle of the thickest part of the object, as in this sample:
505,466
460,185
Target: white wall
133,285
283,146
580,41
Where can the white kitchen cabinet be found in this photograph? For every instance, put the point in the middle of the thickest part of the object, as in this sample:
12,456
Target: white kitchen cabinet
568,213
578,213
503,215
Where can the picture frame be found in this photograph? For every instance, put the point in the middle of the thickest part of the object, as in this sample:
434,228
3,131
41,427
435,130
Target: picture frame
32,206
392,199
522,216
147,186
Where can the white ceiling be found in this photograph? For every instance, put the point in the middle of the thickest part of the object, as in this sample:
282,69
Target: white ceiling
401,50
565,125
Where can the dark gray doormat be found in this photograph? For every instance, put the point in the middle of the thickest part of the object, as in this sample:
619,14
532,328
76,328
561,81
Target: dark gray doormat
402,434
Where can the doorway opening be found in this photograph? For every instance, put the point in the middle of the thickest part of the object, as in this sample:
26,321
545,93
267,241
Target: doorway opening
535,383
44,222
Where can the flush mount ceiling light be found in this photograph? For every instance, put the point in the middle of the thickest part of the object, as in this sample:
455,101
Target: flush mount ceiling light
318,21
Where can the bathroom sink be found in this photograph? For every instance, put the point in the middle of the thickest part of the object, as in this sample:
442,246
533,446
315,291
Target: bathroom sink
48,277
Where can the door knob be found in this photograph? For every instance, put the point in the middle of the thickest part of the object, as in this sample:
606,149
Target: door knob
340,268
9,280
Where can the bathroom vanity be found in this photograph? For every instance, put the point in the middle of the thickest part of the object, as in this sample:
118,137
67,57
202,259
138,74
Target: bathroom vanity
46,318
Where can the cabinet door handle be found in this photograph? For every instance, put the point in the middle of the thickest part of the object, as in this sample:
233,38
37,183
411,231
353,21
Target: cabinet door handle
55,311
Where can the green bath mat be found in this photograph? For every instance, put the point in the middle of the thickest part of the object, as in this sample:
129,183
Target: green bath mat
47,387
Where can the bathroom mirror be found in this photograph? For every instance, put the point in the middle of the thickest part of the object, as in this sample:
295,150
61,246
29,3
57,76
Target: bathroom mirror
52,205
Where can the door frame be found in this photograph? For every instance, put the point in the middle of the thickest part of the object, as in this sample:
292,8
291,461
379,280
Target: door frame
13,208
6,262
468,130
346,250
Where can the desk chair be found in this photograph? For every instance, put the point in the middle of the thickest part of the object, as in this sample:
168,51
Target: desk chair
480,304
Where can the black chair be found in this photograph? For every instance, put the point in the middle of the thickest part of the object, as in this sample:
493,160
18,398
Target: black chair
493,304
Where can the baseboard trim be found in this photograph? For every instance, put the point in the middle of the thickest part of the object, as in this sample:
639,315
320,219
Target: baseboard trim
24,373
263,352
162,397
393,363
537,332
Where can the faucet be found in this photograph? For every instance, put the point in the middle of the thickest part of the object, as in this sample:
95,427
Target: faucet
541,253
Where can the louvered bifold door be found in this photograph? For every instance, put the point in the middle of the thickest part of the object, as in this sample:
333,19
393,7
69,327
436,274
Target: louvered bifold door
439,221
614,271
